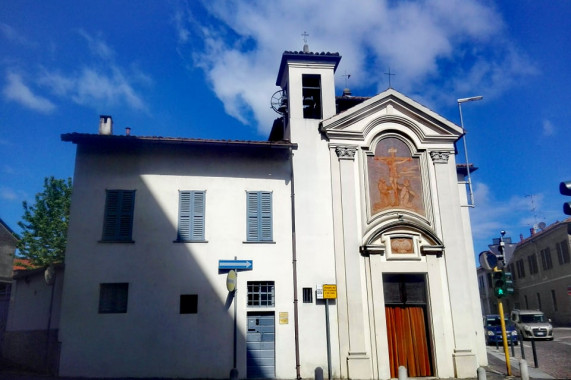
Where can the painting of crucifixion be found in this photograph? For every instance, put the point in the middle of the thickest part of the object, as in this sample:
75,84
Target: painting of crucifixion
394,178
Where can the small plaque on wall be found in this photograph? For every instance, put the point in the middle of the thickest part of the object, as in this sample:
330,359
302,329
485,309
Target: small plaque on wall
402,245
284,319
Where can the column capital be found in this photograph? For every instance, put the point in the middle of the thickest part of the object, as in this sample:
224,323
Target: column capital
440,157
346,152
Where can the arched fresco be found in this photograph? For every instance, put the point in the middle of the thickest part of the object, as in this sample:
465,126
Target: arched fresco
394,178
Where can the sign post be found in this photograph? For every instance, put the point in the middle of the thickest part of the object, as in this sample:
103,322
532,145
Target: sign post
233,266
231,285
329,292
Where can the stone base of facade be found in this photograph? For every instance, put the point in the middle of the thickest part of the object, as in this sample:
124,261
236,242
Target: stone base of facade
465,364
359,366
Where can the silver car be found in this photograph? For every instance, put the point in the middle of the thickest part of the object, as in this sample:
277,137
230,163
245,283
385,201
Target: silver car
532,324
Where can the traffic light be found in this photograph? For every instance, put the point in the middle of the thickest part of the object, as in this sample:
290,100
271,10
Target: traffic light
499,284
565,189
508,283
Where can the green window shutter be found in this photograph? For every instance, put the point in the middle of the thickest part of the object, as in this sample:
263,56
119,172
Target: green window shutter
126,219
259,210
110,221
184,207
252,223
266,216
118,219
198,215
191,216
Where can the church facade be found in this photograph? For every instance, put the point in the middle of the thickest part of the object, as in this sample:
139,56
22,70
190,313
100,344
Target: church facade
344,235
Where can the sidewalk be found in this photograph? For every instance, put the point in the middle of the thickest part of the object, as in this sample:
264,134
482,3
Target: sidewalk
497,367
496,370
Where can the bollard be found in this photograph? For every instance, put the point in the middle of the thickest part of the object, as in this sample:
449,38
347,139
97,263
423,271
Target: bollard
512,343
534,352
520,337
319,373
234,374
523,371
481,373
402,373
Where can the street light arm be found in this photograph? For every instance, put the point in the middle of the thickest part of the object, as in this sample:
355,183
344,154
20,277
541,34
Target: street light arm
460,101
470,99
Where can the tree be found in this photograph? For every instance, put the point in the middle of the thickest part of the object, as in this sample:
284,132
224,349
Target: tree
45,224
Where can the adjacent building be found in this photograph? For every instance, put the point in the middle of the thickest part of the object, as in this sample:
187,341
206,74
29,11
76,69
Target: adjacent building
541,268
348,230
8,243
31,336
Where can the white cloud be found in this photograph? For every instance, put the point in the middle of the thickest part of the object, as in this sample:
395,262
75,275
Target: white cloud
515,215
16,90
97,46
8,194
101,84
11,34
6,169
459,44
548,128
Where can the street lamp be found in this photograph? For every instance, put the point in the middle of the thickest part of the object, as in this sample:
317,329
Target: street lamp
460,101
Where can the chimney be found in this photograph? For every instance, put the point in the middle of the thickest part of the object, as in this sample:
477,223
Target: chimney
520,237
105,125
532,231
128,131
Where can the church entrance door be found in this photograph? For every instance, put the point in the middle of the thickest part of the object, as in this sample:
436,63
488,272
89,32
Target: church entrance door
407,324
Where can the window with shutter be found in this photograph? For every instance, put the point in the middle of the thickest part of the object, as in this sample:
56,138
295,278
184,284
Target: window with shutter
259,223
118,219
191,215
113,298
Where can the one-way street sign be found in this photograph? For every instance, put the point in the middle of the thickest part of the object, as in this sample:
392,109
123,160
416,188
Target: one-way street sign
236,264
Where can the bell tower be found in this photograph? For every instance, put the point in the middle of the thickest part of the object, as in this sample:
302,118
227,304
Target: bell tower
307,79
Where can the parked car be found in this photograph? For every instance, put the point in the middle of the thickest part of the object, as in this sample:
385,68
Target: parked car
532,324
493,330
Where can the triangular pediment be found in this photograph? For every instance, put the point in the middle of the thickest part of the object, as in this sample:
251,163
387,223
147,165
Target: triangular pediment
390,106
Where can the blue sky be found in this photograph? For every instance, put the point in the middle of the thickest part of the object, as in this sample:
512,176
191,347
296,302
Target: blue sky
207,70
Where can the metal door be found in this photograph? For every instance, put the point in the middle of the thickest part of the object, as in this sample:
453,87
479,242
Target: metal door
260,345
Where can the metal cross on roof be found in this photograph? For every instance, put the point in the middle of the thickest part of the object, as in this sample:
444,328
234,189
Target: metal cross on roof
347,76
389,75
305,35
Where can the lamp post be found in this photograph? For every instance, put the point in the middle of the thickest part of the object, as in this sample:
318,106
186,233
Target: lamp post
460,101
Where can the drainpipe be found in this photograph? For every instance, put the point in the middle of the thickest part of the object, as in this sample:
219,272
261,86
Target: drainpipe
294,265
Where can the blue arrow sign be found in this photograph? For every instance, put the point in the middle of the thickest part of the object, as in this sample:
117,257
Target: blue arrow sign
236,264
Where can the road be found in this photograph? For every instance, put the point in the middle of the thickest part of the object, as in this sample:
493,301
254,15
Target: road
553,357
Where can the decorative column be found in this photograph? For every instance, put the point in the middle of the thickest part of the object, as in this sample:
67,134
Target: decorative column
358,361
465,362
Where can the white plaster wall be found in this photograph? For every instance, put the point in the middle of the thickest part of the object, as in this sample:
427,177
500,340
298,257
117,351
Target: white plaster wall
314,231
152,338
30,303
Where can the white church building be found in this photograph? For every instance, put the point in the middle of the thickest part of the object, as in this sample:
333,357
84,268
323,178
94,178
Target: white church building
348,230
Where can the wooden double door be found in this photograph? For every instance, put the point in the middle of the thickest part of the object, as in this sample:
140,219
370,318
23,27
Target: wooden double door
407,324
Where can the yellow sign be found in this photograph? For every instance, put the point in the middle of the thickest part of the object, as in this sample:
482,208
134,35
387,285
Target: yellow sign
330,292
284,320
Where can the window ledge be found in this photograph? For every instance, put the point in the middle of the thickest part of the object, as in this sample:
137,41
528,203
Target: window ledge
259,242
190,241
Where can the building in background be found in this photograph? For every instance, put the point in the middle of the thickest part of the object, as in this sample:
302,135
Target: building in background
8,242
31,336
541,268
360,196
